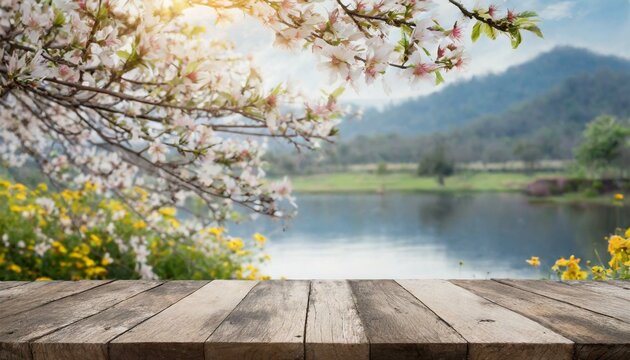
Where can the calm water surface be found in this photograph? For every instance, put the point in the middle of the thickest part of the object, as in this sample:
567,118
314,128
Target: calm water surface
427,235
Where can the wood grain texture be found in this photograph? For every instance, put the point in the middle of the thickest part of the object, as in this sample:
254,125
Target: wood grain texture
584,298
89,338
26,297
10,284
596,336
17,330
492,331
603,288
398,326
621,283
333,327
268,324
180,331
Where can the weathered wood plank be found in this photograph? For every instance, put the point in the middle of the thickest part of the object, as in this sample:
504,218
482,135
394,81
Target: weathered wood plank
621,283
603,288
17,330
333,327
596,336
88,338
37,293
180,331
492,331
10,284
613,306
398,326
268,324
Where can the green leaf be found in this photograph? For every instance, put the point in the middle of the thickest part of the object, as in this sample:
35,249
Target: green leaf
438,77
476,31
535,29
516,39
489,31
337,92
527,14
124,55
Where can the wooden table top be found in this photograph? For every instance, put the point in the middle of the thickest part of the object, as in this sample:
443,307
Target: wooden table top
318,319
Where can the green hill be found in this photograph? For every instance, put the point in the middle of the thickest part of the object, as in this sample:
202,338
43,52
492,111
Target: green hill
463,102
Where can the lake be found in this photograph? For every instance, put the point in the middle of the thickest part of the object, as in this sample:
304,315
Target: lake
428,235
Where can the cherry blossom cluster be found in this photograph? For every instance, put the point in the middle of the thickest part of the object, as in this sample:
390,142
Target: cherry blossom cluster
130,93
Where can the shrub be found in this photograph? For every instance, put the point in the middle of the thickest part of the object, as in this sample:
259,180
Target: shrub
77,234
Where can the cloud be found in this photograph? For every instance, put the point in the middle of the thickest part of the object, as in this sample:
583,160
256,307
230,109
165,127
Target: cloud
557,11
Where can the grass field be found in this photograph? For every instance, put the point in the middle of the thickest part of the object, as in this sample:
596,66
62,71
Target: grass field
409,182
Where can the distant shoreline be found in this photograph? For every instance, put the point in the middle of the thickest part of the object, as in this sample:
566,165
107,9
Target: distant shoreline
462,183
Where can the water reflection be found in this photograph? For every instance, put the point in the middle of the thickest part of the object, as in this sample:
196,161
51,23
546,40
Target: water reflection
427,235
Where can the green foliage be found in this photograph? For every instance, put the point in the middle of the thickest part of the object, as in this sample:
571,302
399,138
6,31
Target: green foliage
381,169
77,234
604,145
437,162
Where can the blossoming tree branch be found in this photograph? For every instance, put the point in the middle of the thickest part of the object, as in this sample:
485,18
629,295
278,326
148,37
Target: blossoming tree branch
131,94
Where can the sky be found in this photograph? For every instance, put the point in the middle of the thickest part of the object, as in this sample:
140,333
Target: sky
602,26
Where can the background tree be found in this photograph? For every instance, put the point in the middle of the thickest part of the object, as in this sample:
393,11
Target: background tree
605,146
131,94
529,153
437,162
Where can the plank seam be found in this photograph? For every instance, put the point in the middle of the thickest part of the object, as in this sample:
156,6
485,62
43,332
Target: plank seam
356,307
109,342
308,302
575,344
438,316
52,301
227,316
16,285
587,289
554,299
31,341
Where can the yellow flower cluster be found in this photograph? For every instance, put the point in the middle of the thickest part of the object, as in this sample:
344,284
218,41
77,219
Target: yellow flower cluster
570,269
618,266
533,261
79,234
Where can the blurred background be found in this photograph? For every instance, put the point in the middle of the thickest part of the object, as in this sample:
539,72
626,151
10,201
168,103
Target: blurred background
472,178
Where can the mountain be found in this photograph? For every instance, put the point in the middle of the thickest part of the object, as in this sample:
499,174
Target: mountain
551,123
462,102
547,126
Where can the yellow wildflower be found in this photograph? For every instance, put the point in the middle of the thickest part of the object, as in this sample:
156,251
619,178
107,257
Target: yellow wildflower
619,197
59,247
43,278
615,243
19,187
174,223
83,249
628,233
89,262
42,187
20,196
533,261
235,244
140,224
260,239
560,263
96,241
167,211
90,186
5,184
216,231
95,271
15,268
1,259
